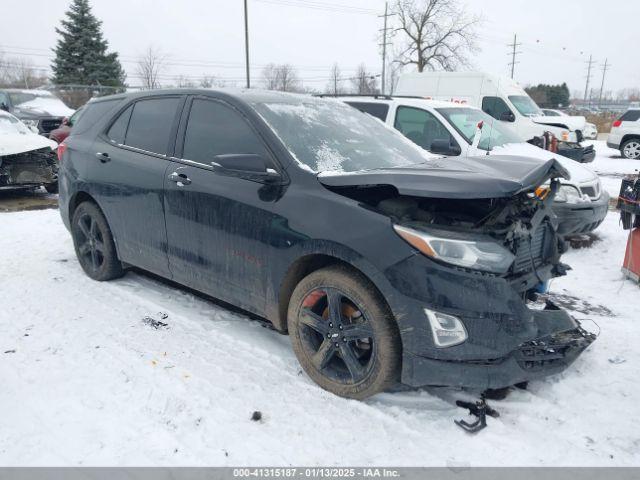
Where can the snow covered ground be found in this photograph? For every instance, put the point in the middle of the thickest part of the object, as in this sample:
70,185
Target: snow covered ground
86,379
611,166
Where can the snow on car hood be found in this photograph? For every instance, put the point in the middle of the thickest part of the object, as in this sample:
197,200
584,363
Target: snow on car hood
45,106
16,138
461,177
578,172
570,123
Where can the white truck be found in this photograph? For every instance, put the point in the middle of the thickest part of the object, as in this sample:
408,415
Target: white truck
504,100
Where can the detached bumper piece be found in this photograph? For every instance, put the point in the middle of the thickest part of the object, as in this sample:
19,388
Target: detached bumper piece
576,152
559,340
555,351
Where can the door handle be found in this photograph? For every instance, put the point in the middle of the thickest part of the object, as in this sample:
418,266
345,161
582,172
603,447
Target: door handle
180,178
103,157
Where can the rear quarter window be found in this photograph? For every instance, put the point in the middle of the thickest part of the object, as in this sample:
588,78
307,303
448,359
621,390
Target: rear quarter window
631,116
92,113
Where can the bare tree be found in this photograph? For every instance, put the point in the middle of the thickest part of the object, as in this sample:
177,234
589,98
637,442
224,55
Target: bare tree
281,77
20,72
364,82
211,81
149,68
334,87
440,34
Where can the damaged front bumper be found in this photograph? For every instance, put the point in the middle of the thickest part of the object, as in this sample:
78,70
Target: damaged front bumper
576,152
30,169
560,341
576,218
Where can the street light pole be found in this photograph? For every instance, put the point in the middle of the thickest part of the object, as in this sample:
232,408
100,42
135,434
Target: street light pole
246,42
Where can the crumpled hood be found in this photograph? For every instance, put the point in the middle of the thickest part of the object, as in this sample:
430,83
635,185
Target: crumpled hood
570,123
579,173
461,178
14,143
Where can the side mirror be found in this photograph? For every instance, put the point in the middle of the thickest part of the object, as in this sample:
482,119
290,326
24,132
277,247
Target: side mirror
245,165
4,106
443,146
507,117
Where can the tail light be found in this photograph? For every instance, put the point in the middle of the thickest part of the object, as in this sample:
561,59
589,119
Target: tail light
617,123
61,149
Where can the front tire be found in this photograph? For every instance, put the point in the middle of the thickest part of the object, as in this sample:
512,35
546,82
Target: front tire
94,245
343,333
631,149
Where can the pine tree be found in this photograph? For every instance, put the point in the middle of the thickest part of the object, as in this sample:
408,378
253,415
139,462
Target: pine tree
81,51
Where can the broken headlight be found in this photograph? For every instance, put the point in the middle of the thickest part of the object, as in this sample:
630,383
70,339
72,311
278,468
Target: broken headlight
479,254
569,194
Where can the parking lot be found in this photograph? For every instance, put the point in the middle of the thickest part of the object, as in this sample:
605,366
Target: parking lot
139,372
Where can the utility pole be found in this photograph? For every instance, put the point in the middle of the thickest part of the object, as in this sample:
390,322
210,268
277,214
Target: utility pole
586,87
384,44
246,42
604,72
514,53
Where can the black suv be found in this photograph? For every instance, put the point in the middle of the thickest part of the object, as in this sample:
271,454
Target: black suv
383,264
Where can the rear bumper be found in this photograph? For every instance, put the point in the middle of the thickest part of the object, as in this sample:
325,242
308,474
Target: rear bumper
561,340
611,144
581,218
577,152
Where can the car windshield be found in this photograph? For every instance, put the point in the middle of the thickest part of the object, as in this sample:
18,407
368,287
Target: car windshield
11,125
465,120
327,135
525,105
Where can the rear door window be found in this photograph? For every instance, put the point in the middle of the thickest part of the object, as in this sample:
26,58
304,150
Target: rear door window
217,129
631,116
495,106
151,123
421,127
378,110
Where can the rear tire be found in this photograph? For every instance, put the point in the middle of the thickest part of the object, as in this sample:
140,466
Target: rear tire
93,242
631,149
343,333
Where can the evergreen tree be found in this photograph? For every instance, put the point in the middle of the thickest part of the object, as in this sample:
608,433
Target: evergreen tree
81,51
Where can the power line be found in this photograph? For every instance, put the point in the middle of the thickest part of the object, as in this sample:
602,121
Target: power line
384,44
586,87
604,72
315,5
514,53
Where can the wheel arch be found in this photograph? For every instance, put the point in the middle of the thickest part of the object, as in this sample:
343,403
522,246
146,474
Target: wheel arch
311,262
629,136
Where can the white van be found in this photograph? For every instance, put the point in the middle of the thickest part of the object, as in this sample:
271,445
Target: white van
503,99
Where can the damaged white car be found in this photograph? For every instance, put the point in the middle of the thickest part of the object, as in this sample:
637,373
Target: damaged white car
27,160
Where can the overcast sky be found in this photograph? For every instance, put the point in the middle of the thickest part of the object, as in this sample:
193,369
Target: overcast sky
207,37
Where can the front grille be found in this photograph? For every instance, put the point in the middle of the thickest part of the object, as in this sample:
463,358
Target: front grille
46,125
533,251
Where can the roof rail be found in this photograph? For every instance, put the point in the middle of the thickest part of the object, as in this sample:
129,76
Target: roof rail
377,96
370,95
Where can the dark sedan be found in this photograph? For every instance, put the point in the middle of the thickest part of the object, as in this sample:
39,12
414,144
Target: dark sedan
382,263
